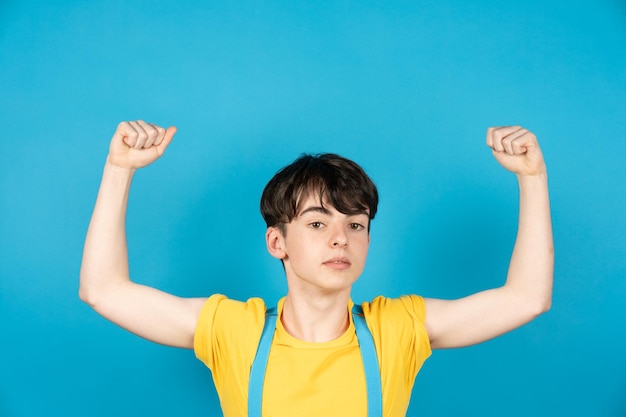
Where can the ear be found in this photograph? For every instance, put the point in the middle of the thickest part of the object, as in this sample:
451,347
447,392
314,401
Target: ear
275,243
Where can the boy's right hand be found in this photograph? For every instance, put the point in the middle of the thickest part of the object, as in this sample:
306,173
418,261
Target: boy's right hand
136,144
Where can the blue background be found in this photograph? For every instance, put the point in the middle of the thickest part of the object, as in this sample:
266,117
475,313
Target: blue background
407,89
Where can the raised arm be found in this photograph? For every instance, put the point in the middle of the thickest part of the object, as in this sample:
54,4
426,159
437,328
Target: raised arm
528,288
104,275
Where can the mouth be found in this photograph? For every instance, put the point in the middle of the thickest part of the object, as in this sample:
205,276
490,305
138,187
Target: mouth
337,263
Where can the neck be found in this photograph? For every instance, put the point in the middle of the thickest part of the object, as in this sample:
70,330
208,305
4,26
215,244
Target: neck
316,319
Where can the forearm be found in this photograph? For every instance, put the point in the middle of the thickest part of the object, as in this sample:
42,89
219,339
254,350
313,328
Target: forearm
105,255
531,269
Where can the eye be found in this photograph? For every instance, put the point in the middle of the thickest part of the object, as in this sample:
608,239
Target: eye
356,226
316,225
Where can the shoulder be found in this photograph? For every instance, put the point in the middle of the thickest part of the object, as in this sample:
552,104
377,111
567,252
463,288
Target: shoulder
411,306
398,328
219,310
401,318
224,322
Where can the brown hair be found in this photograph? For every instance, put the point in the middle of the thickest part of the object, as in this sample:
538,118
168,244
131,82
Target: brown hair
337,180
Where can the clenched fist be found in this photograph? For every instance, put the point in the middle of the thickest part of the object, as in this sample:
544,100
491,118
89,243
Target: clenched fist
136,144
516,149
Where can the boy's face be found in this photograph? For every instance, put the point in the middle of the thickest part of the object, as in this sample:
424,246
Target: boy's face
323,249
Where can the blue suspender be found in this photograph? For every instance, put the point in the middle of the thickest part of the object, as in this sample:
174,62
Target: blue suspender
370,363
368,354
257,372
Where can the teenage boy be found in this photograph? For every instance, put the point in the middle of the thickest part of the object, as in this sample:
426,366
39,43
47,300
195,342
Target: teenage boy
318,212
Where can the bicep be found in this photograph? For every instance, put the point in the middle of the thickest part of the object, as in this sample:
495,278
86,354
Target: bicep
150,313
475,318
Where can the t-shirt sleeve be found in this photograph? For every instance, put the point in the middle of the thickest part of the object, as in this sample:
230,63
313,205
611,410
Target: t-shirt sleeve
399,324
202,341
416,307
228,328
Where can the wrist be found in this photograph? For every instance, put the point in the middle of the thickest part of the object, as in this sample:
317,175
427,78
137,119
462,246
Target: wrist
539,176
118,168
119,174
535,182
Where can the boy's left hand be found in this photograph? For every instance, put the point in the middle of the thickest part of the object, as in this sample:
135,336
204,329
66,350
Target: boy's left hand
516,149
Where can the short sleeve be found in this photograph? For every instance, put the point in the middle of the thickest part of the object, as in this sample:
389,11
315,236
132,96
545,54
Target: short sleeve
228,330
416,307
398,326
202,337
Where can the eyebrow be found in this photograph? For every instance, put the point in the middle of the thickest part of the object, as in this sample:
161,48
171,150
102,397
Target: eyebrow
324,210
314,209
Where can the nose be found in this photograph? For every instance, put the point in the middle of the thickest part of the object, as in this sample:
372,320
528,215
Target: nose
339,237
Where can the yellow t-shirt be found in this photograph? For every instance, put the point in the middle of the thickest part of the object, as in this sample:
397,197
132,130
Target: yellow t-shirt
312,379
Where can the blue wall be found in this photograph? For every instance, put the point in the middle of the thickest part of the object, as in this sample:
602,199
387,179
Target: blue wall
405,88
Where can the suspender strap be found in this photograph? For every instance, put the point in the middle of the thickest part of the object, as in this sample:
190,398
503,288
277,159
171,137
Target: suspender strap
368,355
370,363
257,373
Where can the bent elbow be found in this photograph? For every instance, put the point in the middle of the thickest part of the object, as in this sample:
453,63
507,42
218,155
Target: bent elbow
546,306
89,292
98,294
540,307
86,295
533,303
